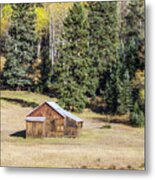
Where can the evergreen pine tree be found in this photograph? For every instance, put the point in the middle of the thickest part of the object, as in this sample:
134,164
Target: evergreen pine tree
135,54
134,37
103,37
74,77
112,88
125,94
20,47
45,65
118,90
137,116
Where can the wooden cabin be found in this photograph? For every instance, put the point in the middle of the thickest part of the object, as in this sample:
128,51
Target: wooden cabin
50,120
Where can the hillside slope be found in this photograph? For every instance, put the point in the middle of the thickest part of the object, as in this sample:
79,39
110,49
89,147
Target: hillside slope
120,147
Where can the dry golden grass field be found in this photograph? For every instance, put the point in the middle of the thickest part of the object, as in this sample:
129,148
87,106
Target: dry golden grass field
119,147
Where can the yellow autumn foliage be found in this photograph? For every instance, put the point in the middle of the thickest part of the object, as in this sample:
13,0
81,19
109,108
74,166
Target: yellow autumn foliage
142,95
6,12
37,73
138,81
2,60
58,11
55,11
42,20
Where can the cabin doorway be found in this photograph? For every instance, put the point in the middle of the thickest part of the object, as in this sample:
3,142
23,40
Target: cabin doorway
53,125
34,129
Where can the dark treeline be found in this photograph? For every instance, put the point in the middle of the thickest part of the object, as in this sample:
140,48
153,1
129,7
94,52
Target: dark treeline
95,51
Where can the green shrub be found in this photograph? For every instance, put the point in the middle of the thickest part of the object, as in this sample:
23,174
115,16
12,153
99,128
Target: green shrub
108,126
137,116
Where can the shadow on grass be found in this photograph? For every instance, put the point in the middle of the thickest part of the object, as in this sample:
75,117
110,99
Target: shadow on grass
23,103
113,119
19,134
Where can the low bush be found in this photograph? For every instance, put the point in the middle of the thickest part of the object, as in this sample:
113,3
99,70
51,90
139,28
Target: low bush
107,126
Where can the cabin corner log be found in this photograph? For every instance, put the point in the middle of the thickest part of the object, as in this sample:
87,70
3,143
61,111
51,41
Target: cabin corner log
50,120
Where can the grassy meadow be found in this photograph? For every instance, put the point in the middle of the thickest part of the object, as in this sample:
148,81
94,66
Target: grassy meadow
101,144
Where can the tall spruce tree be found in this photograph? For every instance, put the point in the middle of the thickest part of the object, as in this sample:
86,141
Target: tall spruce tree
135,55
137,116
45,67
74,75
20,47
134,37
118,90
125,94
111,92
103,37
119,93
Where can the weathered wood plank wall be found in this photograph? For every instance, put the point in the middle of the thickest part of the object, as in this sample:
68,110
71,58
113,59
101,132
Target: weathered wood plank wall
55,125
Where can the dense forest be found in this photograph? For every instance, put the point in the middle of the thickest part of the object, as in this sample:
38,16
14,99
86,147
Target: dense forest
81,53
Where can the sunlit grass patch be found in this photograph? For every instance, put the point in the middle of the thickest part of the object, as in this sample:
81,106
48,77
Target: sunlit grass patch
24,98
118,147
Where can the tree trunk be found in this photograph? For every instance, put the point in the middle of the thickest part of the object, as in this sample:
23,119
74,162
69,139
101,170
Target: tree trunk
38,48
51,44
